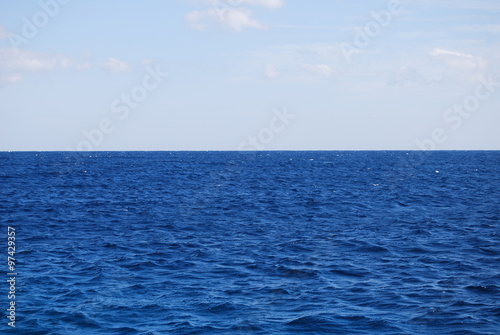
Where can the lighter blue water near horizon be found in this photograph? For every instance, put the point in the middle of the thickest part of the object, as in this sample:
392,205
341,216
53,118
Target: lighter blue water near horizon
381,242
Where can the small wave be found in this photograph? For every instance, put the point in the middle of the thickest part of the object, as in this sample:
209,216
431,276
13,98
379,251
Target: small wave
349,273
274,290
123,331
246,327
297,273
222,308
373,249
81,320
316,323
493,289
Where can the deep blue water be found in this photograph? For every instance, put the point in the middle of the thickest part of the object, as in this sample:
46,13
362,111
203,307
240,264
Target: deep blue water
253,242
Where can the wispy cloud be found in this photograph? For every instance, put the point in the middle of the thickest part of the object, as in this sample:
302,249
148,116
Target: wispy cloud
480,28
116,65
319,69
232,18
11,79
406,76
292,63
12,59
230,14
3,33
487,5
458,65
195,19
16,63
477,4
263,3
271,72
457,60
309,27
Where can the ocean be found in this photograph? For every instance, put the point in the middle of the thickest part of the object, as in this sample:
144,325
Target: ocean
281,242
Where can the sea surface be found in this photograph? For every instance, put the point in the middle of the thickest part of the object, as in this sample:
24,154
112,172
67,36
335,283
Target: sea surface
276,242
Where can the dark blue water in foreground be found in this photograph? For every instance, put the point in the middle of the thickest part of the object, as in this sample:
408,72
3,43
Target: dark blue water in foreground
253,243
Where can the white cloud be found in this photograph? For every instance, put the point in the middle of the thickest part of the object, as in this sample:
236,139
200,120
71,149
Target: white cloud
11,79
236,19
15,63
235,3
439,52
458,65
66,62
230,14
194,18
232,18
116,65
12,59
264,3
319,69
457,60
69,63
271,71
294,62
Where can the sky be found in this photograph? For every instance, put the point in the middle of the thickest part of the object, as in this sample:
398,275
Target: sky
249,75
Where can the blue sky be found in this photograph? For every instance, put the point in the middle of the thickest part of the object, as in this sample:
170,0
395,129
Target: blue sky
249,74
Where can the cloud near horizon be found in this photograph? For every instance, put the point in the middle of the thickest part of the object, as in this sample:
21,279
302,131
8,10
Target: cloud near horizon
16,63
